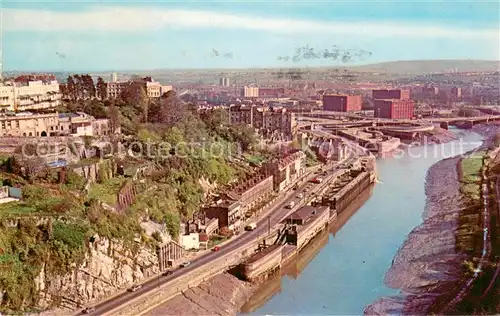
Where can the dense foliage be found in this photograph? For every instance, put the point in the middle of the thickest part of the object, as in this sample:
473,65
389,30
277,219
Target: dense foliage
59,215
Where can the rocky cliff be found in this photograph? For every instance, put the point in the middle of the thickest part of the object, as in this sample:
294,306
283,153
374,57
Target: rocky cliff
107,268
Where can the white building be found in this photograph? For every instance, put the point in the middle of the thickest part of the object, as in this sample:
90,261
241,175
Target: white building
165,89
224,82
250,92
29,93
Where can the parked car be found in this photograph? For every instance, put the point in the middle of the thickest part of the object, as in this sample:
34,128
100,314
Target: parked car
167,273
300,195
185,264
88,310
216,248
135,288
290,205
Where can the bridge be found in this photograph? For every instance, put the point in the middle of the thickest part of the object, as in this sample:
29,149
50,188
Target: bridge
465,122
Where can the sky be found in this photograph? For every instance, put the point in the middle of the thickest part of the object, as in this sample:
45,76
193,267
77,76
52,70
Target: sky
100,35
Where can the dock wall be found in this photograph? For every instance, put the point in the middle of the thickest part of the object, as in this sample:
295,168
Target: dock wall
258,270
347,194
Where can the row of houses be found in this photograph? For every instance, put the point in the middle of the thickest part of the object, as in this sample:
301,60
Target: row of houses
234,205
265,119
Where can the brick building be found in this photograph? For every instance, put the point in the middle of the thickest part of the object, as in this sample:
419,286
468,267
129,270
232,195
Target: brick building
383,94
342,103
271,92
394,109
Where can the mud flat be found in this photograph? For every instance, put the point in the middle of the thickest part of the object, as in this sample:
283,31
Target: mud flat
427,265
224,294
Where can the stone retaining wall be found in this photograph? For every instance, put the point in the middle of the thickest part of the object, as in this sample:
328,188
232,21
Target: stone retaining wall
147,301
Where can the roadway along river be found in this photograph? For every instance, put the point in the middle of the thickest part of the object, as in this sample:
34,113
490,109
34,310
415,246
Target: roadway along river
348,273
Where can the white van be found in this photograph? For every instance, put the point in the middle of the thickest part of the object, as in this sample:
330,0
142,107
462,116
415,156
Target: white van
251,226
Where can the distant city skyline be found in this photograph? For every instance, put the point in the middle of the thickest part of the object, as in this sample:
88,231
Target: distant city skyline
124,35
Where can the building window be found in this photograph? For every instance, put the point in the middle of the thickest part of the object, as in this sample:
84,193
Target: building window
52,128
24,134
31,134
17,124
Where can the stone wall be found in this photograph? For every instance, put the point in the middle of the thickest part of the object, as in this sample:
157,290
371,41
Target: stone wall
262,263
193,278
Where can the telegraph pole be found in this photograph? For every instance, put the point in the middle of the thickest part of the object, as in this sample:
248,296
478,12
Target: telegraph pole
269,225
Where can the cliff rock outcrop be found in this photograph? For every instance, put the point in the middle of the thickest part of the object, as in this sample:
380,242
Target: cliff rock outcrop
107,268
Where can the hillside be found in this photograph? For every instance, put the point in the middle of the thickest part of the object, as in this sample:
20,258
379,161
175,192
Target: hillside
428,66
412,67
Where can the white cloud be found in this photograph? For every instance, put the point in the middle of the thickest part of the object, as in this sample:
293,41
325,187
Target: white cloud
144,19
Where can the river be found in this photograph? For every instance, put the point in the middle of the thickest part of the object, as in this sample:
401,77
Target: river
348,272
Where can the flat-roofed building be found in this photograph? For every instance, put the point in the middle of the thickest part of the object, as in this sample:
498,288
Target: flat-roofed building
115,89
342,103
30,92
250,92
29,125
394,109
384,94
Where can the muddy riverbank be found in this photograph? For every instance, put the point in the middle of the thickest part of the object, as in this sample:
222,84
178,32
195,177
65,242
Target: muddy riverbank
427,266
224,294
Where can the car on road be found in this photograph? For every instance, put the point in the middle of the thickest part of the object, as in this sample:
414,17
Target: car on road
317,180
216,248
250,226
290,205
135,288
88,310
185,264
167,273
300,195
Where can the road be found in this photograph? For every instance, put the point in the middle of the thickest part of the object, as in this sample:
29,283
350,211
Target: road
276,216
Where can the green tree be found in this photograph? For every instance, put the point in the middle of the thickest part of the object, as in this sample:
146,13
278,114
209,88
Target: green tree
244,135
71,88
172,223
114,116
101,88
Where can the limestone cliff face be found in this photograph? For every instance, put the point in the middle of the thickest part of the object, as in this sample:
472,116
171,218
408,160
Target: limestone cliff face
108,267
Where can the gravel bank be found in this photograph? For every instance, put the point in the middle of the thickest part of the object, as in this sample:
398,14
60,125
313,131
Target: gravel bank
224,294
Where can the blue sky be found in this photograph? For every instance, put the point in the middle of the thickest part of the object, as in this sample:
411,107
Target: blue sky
121,35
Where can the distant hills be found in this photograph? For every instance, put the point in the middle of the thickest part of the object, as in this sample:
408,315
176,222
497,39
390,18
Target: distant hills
407,67
430,66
